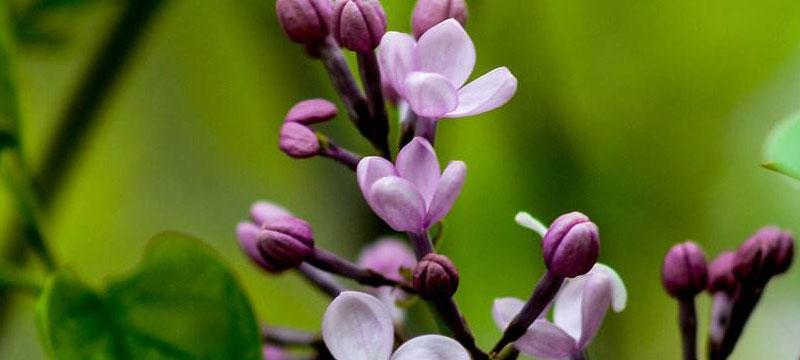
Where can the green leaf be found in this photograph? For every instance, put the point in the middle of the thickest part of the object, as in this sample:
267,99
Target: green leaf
9,111
182,303
783,148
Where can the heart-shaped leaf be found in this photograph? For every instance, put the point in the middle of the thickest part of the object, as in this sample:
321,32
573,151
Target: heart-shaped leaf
783,148
182,303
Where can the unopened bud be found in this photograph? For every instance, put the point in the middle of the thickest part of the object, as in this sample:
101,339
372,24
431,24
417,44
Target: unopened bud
435,277
720,273
298,141
765,254
571,245
312,111
685,271
429,13
304,21
285,243
359,25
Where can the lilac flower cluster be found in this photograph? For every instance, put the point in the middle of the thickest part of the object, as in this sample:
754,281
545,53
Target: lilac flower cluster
425,76
735,279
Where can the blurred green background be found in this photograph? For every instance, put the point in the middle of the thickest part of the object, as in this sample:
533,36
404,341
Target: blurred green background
649,116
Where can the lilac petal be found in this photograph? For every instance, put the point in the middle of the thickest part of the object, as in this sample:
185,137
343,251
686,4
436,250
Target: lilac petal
247,234
447,191
596,299
417,162
357,326
504,310
397,58
545,340
528,221
398,202
430,94
619,293
371,169
263,212
485,93
388,256
446,49
431,347
567,312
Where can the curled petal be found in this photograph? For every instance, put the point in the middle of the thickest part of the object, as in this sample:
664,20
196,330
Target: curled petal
596,300
371,169
430,95
567,310
446,49
504,310
545,340
619,297
447,191
397,58
357,326
527,221
417,162
485,93
431,347
398,202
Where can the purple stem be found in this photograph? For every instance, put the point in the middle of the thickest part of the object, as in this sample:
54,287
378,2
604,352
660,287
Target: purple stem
580,356
422,244
448,311
426,128
688,325
744,302
331,262
320,280
344,156
542,295
371,78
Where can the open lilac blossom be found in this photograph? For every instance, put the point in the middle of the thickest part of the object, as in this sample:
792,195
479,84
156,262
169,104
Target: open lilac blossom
412,194
429,74
357,326
578,312
389,256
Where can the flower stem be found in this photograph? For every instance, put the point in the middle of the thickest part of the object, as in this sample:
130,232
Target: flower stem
320,280
422,244
371,78
331,262
744,302
688,324
542,295
580,356
448,311
426,128
341,155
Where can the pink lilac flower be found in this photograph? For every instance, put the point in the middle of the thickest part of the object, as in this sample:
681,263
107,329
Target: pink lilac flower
578,312
412,194
388,256
357,326
429,74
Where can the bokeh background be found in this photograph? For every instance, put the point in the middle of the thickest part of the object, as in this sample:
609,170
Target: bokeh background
650,116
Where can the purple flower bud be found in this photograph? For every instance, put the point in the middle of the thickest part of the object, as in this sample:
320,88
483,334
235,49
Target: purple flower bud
765,254
263,212
685,272
435,277
298,141
304,21
359,25
285,243
571,245
720,273
312,111
274,353
429,13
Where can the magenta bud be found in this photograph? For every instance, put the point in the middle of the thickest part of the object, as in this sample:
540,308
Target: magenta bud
571,245
285,243
298,141
435,277
358,25
304,21
429,13
274,353
685,272
312,111
720,273
765,254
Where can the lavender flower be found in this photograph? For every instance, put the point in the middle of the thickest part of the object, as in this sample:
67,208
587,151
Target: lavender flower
430,74
412,194
578,312
357,326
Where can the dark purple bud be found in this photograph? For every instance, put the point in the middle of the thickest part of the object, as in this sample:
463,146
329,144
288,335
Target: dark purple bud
358,25
720,273
312,111
435,277
685,271
298,141
285,243
304,21
571,245
765,254
429,13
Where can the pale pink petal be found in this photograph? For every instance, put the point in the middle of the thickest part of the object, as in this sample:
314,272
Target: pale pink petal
447,191
597,293
262,212
545,340
528,221
504,310
399,204
620,294
430,95
397,58
567,306
431,347
447,49
417,162
357,326
388,256
485,93
371,169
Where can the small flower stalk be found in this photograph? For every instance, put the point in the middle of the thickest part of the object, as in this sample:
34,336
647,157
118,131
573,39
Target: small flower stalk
684,275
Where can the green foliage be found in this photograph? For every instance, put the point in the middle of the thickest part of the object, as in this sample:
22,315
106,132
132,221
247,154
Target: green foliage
9,111
783,148
182,303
